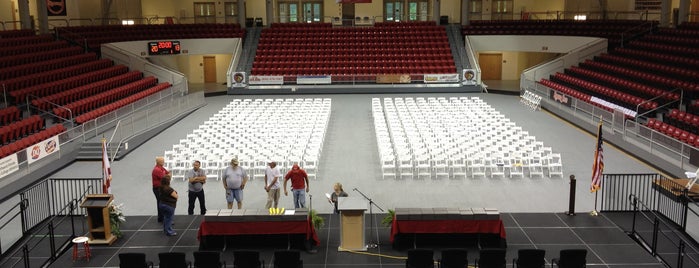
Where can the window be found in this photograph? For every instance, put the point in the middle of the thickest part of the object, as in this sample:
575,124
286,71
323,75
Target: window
312,12
417,10
648,4
231,12
502,6
393,10
288,12
204,12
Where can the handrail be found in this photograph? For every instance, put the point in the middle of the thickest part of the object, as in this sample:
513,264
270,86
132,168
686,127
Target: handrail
638,106
657,220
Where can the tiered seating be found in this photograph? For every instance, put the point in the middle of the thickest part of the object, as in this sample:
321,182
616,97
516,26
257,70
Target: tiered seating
611,94
9,115
674,132
19,129
30,140
102,34
95,101
11,34
120,103
683,120
649,67
387,48
13,60
25,75
80,86
298,134
625,85
610,29
7,51
452,138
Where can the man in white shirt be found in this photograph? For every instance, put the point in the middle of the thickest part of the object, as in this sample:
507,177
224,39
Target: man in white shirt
272,177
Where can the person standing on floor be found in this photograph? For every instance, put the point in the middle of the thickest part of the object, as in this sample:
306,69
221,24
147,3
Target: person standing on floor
197,178
234,180
298,188
272,178
159,172
168,203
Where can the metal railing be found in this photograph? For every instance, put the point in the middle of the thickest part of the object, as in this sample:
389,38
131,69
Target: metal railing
660,193
662,239
33,218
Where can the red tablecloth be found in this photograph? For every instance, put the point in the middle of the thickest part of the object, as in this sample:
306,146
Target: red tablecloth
259,227
447,227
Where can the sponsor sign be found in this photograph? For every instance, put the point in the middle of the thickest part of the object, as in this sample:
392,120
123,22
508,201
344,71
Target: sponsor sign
393,79
441,78
605,103
8,165
238,79
313,79
56,7
266,80
560,98
469,77
42,149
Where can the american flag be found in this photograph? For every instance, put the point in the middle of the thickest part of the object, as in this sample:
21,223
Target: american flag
106,170
598,165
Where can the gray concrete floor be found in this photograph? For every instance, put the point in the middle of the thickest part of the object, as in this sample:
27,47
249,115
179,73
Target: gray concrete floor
350,156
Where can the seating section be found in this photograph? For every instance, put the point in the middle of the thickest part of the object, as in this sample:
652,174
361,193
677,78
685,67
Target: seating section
298,135
25,142
353,53
12,34
102,34
652,72
53,76
442,138
613,30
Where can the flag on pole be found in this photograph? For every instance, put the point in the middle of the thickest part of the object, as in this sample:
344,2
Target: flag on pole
598,164
106,170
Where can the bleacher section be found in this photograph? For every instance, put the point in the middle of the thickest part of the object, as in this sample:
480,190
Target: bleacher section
94,36
45,79
615,31
242,129
353,53
455,138
652,73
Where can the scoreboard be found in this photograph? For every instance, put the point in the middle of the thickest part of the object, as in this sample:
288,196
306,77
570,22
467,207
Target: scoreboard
164,48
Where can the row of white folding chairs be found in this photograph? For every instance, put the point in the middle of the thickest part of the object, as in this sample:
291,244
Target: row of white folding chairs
531,100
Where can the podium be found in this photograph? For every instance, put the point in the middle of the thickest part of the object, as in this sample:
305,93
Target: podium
352,231
98,225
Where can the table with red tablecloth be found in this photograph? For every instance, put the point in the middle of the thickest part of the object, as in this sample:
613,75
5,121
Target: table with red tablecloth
494,227
223,228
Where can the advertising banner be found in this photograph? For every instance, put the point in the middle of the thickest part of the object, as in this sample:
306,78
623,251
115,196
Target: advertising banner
266,80
441,78
560,98
8,165
313,80
393,79
42,149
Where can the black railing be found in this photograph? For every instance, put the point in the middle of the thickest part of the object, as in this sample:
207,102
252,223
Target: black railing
659,236
660,193
39,210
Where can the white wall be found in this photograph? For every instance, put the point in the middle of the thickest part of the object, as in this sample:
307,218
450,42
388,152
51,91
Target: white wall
526,43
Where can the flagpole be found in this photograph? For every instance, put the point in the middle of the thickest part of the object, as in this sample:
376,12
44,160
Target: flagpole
594,211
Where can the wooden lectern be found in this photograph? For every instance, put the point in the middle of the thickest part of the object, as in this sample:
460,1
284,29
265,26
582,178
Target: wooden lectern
352,233
100,229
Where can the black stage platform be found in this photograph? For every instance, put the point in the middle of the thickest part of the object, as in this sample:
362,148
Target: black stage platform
607,244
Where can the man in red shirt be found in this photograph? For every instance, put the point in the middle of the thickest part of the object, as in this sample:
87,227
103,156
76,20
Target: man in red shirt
298,176
159,172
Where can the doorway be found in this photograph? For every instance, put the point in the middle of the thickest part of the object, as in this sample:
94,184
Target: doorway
209,69
347,14
491,66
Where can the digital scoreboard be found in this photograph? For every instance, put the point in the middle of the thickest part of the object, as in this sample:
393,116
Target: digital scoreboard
164,48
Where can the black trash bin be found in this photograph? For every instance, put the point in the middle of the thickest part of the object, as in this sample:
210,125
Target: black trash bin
443,20
258,22
249,22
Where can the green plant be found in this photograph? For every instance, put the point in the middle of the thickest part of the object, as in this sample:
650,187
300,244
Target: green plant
116,217
388,220
318,221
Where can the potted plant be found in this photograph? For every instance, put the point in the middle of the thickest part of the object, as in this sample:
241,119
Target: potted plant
388,220
318,221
